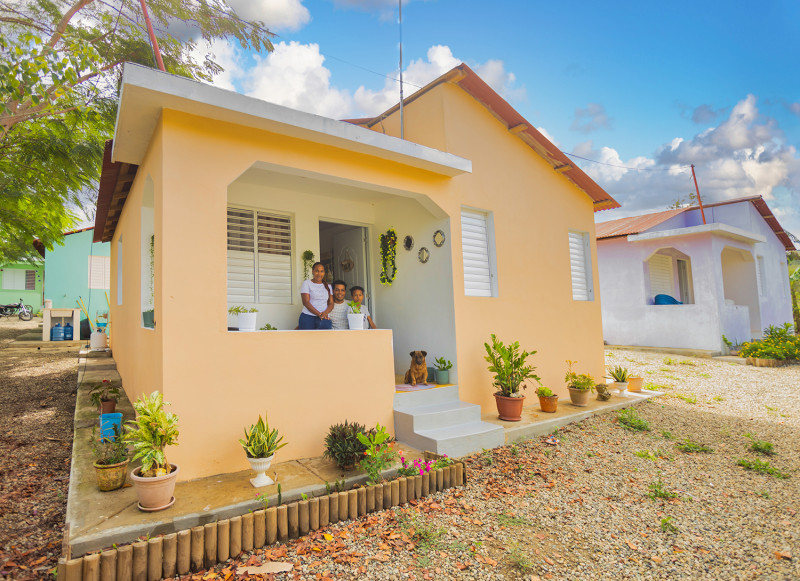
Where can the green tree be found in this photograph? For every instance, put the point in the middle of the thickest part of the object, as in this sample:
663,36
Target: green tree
59,71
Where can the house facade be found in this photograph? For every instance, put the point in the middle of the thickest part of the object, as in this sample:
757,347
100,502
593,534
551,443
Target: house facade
22,280
728,274
209,199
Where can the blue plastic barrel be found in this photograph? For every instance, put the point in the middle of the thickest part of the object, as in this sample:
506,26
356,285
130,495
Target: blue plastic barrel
57,333
107,424
68,332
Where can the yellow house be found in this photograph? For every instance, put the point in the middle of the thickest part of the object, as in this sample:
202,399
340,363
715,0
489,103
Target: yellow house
210,198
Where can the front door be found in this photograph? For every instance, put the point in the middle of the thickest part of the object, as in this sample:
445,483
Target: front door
344,250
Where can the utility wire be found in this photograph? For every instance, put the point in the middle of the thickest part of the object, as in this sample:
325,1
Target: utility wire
627,167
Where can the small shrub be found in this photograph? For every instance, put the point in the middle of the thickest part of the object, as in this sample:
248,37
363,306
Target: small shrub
761,446
687,362
342,444
670,361
657,490
646,454
630,420
690,447
761,467
379,453
667,526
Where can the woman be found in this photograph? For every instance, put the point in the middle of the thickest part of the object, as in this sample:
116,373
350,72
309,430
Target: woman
317,300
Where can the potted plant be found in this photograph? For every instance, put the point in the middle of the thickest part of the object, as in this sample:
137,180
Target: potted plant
355,318
620,376
111,460
580,386
246,316
260,444
343,446
548,401
105,397
442,370
510,373
150,433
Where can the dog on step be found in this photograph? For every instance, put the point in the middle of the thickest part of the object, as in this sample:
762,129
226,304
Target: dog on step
418,372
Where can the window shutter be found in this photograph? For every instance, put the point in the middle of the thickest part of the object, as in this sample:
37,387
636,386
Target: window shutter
30,280
99,272
13,279
760,274
661,278
241,256
475,251
274,259
579,269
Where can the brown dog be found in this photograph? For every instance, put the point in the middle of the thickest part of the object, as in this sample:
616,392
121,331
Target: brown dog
419,369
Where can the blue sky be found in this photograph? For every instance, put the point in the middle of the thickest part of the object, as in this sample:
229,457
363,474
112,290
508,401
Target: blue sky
632,84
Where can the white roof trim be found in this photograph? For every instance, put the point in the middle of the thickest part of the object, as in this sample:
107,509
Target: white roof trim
145,92
714,228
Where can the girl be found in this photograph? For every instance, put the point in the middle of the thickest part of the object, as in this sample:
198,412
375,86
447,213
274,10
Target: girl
317,300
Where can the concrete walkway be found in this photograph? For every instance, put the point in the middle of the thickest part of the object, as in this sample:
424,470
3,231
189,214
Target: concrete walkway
96,520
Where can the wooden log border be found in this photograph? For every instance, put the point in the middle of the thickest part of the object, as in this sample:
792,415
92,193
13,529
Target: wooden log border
203,546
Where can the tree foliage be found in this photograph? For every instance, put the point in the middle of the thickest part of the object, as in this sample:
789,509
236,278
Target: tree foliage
59,71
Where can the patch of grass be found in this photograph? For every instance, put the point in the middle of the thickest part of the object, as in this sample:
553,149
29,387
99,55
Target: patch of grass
510,520
646,454
519,559
649,386
426,536
657,490
762,493
670,361
760,446
667,435
761,467
674,377
610,354
690,447
514,451
487,457
630,420
704,375
661,454
718,398
664,369
687,362
687,397
651,372
771,409
667,526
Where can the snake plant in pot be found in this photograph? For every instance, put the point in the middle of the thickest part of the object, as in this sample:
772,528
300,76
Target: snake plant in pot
150,433
507,362
260,444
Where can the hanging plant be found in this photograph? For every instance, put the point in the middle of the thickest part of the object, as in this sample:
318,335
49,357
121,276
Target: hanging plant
308,261
388,256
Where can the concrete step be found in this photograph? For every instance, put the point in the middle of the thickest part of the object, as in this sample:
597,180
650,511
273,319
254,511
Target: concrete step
407,399
459,440
437,415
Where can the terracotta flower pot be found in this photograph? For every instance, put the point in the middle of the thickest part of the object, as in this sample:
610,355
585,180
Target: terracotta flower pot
155,493
579,397
549,403
509,408
108,406
111,476
635,384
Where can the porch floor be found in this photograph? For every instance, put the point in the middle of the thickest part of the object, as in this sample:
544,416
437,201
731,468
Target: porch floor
96,520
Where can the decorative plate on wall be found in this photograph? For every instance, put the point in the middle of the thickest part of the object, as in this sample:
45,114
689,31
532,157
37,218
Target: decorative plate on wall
438,238
424,255
408,242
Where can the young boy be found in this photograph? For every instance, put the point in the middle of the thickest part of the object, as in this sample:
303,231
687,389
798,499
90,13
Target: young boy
357,294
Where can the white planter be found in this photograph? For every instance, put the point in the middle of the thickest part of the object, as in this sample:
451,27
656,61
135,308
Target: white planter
247,321
620,386
355,320
260,466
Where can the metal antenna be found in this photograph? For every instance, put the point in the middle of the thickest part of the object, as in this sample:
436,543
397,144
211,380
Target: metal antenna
400,9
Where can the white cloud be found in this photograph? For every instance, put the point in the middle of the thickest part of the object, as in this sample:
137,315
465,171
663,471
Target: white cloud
286,15
590,119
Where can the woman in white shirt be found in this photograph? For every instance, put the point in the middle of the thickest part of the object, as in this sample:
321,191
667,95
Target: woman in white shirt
317,300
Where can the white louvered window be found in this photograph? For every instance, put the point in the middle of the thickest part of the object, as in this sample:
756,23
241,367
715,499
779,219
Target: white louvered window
477,247
661,275
259,257
18,279
580,266
100,272
760,274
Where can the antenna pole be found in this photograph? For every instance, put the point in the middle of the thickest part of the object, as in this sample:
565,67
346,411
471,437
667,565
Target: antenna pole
699,201
400,10
153,41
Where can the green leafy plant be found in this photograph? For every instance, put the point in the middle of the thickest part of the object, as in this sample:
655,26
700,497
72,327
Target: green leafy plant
670,361
280,495
508,365
519,559
667,435
619,374
442,364
581,381
239,309
355,308
107,450
268,327
691,447
260,441
263,497
303,496
778,343
308,261
379,453
388,244
657,490
630,420
761,446
727,342
688,398
507,520
342,444
543,391
104,391
151,432
667,526
762,467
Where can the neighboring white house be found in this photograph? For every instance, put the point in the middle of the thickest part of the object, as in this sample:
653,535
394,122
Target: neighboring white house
729,274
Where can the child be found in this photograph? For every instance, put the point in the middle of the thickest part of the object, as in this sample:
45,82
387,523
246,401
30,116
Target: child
357,294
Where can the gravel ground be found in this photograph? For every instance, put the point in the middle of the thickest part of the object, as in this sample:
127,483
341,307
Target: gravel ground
588,506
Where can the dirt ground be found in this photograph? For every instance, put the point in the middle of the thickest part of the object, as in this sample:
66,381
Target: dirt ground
37,404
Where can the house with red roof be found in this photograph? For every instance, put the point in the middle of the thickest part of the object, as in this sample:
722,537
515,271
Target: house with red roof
686,277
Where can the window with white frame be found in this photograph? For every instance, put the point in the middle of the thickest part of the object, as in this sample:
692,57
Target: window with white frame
477,248
661,275
760,275
19,279
259,257
99,272
580,265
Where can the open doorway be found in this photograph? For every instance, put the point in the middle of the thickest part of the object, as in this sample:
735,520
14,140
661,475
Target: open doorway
344,250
